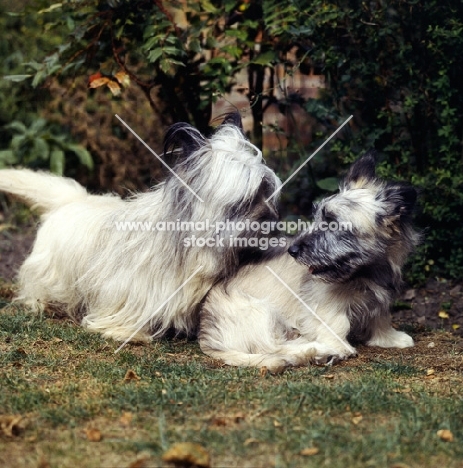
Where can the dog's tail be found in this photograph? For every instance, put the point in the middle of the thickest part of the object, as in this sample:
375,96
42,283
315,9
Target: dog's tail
40,190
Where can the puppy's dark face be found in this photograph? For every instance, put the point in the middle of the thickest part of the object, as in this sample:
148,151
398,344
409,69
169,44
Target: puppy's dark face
362,230
333,250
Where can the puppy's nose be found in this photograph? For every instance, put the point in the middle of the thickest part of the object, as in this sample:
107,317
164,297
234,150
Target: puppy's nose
294,251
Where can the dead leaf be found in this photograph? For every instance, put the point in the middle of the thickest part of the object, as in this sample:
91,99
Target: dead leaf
43,463
11,425
122,78
251,440
126,418
308,452
455,326
409,294
187,453
139,462
445,435
93,434
114,83
328,376
263,371
218,421
114,87
357,419
443,314
130,375
227,420
277,423
430,372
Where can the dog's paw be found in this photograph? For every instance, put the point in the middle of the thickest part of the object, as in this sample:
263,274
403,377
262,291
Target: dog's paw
328,356
326,360
392,339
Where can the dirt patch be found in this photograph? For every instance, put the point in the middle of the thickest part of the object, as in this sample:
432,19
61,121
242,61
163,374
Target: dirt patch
15,244
438,305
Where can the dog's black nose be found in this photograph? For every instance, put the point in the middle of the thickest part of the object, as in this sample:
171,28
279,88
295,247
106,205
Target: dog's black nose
294,250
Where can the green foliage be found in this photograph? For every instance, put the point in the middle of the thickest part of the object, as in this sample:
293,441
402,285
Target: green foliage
395,67
180,52
25,138
38,144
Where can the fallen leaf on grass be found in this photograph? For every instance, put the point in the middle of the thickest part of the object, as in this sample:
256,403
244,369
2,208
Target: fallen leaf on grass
139,462
130,375
445,435
189,454
93,434
11,425
357,418
250,441
443,314
309,451
126,418
43,463
227,420
402,390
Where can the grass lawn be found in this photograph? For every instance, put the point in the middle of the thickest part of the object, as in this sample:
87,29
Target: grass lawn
67,400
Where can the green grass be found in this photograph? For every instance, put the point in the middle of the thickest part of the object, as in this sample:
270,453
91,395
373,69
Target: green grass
65,380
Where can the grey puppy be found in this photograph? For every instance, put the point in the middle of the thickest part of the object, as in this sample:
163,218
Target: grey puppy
334,289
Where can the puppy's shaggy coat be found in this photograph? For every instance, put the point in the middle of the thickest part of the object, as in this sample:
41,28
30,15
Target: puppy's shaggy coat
338,292
139,283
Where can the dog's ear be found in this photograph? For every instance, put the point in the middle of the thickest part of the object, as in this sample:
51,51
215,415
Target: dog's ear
361,171
234,118
400,199
182,139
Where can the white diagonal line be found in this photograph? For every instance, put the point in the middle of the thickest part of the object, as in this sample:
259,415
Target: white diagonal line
160,160
158,309
310,309
307,160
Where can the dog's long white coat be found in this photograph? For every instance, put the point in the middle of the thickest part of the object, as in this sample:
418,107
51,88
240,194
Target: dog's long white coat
114,281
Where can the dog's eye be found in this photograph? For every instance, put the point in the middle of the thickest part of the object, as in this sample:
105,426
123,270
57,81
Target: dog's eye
327,216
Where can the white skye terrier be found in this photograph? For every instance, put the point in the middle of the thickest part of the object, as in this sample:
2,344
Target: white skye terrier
336,290
137,284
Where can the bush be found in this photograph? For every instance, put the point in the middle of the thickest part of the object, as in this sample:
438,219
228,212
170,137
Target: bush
395,66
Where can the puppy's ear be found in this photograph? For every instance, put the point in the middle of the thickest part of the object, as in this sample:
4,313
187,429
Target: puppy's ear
362,171
233,118
181,140
400,199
